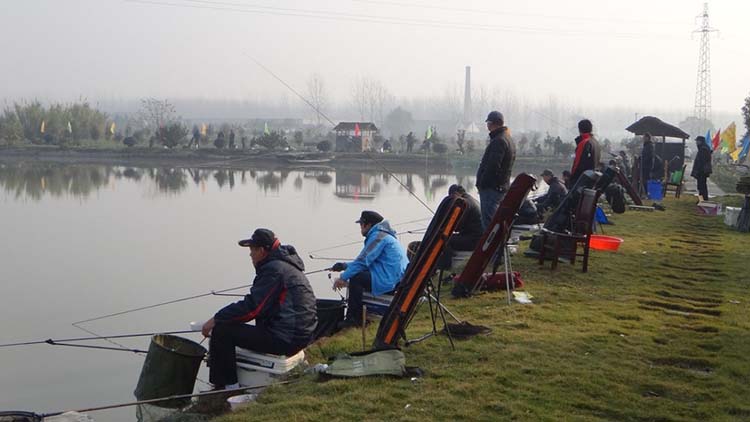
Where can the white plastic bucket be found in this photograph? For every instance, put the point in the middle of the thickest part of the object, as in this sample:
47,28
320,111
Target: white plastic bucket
240,401
731,214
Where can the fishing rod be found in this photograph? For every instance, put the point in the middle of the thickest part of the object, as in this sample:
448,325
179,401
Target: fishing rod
358,242
317,110
169,302
98,337
161,399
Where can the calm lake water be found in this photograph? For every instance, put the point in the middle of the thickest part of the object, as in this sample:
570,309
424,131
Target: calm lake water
80,241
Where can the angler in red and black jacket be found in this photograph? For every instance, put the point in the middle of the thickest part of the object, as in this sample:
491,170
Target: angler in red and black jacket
281,301
587,152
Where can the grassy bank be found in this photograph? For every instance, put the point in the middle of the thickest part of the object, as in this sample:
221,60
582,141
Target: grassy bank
657,331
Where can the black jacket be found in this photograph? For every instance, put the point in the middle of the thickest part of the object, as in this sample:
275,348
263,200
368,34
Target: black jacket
702,164
553,197
497,162
587,160
647,160
471,222
281,300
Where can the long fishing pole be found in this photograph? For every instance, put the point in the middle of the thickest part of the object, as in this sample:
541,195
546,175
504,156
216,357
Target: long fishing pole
98,337
161,399
317,110
359,242
169,302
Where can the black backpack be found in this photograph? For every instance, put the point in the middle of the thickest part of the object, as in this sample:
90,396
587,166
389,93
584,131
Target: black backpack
615,195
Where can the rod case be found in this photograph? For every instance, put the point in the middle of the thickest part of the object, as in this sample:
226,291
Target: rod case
497,233
420,269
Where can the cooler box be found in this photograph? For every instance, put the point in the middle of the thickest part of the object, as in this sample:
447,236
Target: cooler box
709,208
258,369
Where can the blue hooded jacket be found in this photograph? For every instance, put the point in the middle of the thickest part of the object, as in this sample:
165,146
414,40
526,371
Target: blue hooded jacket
383,256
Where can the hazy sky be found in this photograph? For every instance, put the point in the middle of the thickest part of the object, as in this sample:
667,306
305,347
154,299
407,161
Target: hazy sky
592,53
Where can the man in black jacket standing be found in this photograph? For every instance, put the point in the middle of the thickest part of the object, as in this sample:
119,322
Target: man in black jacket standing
281,302
493,175
702,167
587,152
647,160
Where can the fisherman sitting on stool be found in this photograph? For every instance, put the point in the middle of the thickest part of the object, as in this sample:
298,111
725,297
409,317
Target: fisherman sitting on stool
281,302
468,232
377,269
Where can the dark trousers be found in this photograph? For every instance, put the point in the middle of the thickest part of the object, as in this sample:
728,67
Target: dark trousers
225,337
457,242
702,187
358,284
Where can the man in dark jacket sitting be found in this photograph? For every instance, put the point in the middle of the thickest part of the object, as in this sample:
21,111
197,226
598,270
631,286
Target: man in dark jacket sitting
554,195
281,302
467,233
493,174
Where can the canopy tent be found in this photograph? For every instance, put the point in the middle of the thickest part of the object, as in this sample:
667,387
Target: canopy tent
656,127
672,153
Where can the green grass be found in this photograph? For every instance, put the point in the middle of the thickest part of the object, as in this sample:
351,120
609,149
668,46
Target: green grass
658,331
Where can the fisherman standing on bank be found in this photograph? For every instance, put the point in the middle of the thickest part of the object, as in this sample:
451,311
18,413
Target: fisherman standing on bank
587,152
702,167
281,302
377,268
493,174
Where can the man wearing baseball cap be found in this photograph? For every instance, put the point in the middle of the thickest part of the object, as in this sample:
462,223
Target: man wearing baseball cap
281,302
377,269
493,174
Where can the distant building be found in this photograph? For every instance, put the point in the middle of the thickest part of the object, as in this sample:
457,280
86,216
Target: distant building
349,139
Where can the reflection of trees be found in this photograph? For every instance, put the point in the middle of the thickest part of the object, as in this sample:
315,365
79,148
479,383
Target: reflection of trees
169,179
221,178
324,179
298,182
269,180
133,174
33,180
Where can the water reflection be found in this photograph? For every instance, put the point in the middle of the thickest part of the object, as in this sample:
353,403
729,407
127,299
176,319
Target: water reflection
34,180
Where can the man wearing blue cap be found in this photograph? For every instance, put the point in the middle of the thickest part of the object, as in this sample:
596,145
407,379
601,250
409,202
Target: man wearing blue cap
281,302
493,174
377,269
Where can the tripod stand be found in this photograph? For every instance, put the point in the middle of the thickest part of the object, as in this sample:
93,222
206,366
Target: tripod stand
436,308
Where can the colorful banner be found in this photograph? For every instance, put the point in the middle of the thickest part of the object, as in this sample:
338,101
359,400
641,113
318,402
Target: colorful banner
741,152
729,139
265,129
715,141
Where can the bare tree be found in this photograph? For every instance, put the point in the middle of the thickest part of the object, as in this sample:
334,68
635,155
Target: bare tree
317,94
360,95
156,113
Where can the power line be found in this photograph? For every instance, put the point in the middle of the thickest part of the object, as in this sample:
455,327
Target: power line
504,13
412,22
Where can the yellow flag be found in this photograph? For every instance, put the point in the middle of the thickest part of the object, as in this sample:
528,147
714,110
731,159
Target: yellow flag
204,129
729,139
736,154
112,128
41,129
70,128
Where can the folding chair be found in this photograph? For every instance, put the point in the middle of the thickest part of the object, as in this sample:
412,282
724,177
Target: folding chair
566,244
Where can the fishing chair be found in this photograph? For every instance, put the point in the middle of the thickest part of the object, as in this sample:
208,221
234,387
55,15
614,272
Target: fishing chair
565,245
674,181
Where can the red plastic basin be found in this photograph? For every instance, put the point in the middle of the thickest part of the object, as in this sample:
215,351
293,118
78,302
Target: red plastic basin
600,242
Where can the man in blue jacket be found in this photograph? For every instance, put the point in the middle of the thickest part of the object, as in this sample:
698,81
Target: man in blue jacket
281,302
377,269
